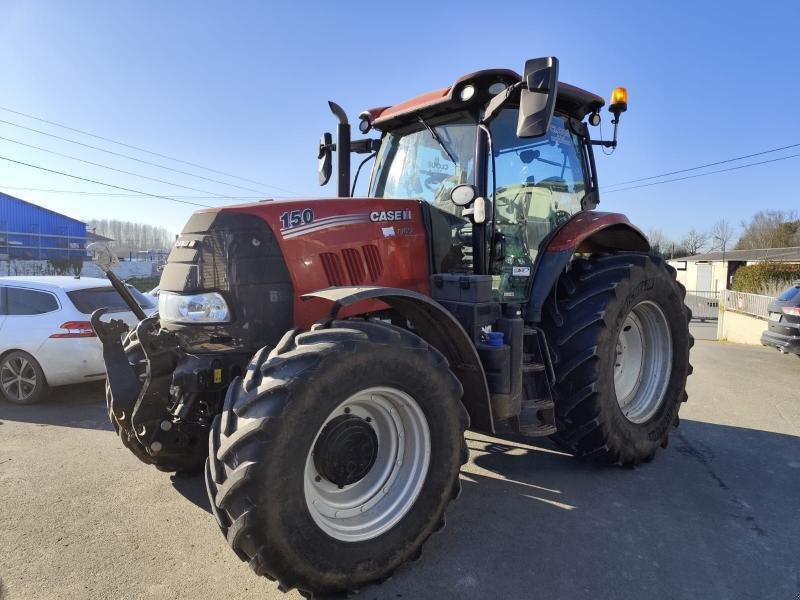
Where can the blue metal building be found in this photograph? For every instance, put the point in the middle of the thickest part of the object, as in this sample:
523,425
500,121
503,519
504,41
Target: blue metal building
31,232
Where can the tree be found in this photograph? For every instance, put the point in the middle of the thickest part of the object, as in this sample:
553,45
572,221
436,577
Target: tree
659,244
770,229
721,235
694,241
132,237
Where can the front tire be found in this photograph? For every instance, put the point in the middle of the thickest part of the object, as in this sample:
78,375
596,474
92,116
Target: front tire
363,418
619,330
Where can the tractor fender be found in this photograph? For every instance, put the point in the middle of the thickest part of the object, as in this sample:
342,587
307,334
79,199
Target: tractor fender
586,231
434,324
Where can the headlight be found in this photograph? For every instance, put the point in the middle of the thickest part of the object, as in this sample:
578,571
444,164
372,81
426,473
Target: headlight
196,308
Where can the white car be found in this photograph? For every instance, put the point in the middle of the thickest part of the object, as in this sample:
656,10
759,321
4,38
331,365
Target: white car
46,338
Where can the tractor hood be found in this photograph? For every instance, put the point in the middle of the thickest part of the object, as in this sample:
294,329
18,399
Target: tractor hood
262,257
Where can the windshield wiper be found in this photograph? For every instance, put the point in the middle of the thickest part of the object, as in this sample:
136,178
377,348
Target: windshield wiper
439,141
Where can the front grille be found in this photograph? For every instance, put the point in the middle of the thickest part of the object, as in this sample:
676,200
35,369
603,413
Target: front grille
238,256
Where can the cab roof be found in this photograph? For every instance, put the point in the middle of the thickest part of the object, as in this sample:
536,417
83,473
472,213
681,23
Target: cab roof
570,100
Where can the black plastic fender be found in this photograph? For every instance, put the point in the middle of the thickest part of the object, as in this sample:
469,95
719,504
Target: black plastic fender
434,324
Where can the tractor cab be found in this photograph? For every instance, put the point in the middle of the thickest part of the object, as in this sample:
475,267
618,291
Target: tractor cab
519,143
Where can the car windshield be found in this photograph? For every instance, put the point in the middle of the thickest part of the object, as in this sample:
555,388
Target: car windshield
89,300
413,163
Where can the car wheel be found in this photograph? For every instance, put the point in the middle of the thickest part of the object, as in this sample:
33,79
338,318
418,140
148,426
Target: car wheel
21,378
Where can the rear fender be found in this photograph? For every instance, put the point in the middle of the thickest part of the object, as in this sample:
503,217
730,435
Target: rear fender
587,231
434,324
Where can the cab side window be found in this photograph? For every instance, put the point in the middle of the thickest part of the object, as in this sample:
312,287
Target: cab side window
19,301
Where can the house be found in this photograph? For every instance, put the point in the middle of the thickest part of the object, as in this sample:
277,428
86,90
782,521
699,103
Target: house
713,271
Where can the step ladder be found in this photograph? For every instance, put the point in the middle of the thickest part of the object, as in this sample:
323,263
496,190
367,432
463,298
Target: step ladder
537,417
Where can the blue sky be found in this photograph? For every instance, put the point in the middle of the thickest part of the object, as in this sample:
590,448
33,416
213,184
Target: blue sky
242,87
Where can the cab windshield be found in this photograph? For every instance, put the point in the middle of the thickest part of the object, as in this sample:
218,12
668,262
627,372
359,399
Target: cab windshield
426,162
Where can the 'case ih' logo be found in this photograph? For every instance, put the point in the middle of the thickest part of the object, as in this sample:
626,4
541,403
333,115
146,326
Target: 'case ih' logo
390,215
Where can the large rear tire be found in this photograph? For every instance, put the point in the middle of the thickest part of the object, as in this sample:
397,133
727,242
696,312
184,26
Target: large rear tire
363,418
619,332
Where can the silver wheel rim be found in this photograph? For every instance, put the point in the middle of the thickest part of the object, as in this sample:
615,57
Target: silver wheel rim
643,362
17,378
373,505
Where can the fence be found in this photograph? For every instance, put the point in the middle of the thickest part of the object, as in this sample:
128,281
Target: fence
748,304
704,304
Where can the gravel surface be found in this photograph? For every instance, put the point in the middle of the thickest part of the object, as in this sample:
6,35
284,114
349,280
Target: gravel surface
716,515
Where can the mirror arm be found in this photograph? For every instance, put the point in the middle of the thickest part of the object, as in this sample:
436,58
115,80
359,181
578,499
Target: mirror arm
609,143
365,146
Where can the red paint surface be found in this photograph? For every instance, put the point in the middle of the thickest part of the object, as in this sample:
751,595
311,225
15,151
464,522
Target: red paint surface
403,255
582,225
442,95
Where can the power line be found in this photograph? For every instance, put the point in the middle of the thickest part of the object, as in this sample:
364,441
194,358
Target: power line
139,149
85,193
110,168
763,162
116,187
127,156
713,164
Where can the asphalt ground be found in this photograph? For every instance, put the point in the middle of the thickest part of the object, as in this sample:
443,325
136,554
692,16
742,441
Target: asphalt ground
716,515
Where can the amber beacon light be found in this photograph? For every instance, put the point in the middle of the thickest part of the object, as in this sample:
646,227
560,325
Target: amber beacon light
619,101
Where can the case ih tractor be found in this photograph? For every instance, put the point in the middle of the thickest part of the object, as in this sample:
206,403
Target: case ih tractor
321,359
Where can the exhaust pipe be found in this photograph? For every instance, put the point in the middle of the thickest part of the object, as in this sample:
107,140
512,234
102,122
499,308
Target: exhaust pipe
342,151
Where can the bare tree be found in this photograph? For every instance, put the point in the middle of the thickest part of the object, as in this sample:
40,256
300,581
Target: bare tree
722,235
694,241
770,229
659,244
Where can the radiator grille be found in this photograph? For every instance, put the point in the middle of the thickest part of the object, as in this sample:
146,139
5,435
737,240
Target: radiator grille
333,268
355,266
352,266
373,259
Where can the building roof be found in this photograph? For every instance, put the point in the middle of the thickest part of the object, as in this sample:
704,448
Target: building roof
9,198
789,254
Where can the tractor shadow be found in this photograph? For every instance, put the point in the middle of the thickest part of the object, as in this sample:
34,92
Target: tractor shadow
193,488
714,516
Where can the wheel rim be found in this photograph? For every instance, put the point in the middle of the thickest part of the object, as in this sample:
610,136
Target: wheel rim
643,362
377,501
17,378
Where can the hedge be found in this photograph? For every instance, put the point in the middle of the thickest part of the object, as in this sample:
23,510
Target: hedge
144,284
753,279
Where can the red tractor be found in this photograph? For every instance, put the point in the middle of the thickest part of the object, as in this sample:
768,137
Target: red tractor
321,359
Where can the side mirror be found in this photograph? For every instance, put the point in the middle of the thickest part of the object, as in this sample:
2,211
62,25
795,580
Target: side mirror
325,160
463,194
537,96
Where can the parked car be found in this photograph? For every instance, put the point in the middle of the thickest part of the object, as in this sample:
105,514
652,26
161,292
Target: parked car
784,321
46,339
